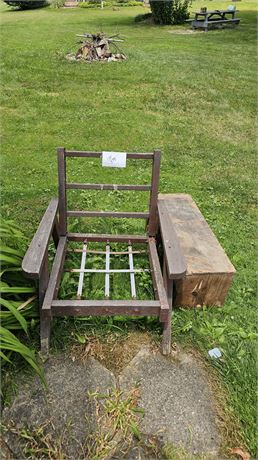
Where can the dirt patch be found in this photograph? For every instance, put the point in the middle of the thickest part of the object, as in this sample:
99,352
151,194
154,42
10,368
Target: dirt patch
185,32
114,352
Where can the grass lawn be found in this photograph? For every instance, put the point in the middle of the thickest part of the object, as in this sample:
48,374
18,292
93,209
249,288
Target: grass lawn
192,95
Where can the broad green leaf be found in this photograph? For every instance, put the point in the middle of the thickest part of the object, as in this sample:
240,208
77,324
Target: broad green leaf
9,250
15,312
3,356
9,259
5,289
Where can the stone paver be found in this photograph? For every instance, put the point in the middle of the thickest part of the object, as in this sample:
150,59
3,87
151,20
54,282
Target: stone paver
176,399
65,403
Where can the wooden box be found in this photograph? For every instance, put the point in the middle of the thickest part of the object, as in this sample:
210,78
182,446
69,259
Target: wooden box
209,271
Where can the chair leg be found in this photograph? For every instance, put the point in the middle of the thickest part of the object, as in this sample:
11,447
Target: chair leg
166,336
44,319
45,324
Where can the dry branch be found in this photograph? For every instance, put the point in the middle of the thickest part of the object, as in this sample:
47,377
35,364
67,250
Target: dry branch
96,47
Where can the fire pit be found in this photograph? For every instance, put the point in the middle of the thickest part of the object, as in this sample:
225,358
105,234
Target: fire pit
96,47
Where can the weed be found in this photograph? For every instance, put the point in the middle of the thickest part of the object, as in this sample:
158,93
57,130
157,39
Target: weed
118,423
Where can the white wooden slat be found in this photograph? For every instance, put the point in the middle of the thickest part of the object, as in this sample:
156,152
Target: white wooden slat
132,277
107,275
82,271
92,270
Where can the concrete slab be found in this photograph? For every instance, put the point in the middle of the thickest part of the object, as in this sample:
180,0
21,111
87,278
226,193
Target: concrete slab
64,409
177,401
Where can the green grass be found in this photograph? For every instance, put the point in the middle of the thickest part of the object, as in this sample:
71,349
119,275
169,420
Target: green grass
194,96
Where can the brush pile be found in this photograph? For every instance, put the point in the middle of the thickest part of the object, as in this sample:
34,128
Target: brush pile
96,47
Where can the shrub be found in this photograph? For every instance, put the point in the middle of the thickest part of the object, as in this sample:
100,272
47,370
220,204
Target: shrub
18,299
27,4
57,3
93,4
97,3
170,11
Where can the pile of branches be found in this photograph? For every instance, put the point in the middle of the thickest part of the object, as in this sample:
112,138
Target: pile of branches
96,47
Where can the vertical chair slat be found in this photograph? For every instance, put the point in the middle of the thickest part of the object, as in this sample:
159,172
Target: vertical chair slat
81,278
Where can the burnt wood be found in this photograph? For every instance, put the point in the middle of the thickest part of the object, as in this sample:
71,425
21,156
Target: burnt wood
34,258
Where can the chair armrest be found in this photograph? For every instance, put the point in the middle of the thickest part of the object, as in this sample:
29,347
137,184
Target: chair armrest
34,257
175,260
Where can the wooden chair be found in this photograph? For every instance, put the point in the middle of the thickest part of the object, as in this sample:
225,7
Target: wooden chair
54,222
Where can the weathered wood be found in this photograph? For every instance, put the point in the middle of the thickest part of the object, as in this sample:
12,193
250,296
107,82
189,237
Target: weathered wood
208,20
158,284
52,306
209,271
34,257
153,219
166,336
107,237
128,215
105,307
62,190
55,276
112,253
199,24
130,155
176,263
45,325
75,185
223,21
55,232
43,279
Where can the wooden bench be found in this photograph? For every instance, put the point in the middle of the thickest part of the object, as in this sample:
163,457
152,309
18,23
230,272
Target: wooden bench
209,272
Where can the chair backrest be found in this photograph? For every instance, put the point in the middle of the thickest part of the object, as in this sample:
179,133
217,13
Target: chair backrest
151,216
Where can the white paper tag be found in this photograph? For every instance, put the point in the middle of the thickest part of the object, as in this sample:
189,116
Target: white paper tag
114,159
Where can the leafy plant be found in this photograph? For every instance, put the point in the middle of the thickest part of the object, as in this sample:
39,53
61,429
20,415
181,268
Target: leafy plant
97,3
18,299
170,11
57,3
27,4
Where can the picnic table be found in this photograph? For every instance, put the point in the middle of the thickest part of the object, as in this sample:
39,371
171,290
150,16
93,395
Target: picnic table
208,19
